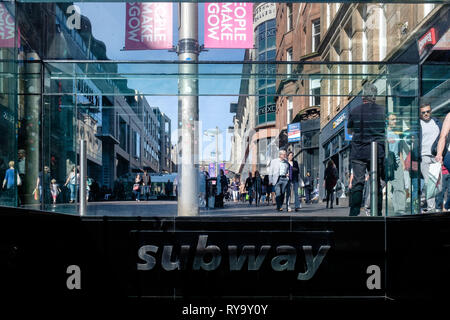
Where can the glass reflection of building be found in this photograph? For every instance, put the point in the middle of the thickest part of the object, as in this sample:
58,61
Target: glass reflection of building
266,33
120,130
47,127
264,150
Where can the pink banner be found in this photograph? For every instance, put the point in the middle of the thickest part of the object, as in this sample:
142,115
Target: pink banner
7,26
229,25
148,26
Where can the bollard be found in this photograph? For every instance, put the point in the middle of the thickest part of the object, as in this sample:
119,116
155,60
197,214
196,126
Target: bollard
373,179
83,177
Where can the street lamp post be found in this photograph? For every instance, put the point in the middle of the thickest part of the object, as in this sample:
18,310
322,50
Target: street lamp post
188,51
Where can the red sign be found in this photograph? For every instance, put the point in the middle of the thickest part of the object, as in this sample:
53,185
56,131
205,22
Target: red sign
7,27
428,38
148,26
229,25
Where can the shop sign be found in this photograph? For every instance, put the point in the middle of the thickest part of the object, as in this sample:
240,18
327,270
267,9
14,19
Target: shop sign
294,131
229,25
7,27
339,120
427,39
148,26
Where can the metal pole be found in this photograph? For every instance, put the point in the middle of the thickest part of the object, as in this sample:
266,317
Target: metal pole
217,151
83,177
188,50
34,112
374,180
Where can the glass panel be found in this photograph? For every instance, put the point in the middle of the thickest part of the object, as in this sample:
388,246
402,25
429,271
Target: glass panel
63,126
77,81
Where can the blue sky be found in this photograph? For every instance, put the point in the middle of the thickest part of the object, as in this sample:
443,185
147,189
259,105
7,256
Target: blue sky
108,25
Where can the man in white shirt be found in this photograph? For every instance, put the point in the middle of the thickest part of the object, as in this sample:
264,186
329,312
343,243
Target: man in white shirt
279,177
430,129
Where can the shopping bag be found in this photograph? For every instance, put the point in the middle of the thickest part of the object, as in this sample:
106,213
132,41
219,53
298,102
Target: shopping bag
341,193
434,183
36,194
301,183
201,201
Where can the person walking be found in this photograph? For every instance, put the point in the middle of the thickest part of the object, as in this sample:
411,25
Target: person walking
367,124
396,187
21,166
242,191
263,190
146,184
169,188
279,177
222,187
43,185
430,129
443,156
235,189
257,187
445,187
268,187
249,187
73,180
308,182
136,187
330,180
55,191
8,181
294,172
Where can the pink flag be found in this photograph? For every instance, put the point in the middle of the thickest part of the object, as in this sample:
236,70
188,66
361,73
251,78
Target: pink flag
229,25
148,26
7,27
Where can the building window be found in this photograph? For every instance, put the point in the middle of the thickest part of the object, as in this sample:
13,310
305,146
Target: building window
328,14
290,110
350,66
314,88
138,145
329,90
288,59
427,8
315,35
289,25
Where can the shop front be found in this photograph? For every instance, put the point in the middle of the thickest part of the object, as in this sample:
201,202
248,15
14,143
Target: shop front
334,144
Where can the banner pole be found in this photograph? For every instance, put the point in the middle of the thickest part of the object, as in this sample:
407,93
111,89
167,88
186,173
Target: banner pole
188,50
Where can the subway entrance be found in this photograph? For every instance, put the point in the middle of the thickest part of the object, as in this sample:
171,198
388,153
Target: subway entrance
160,125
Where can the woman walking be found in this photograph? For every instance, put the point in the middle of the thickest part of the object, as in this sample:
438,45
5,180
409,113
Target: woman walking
331,176
73,180
235,188
137,186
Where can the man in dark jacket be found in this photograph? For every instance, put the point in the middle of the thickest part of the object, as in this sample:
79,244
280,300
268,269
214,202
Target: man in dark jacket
147,183
249,187
367,124
223,187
